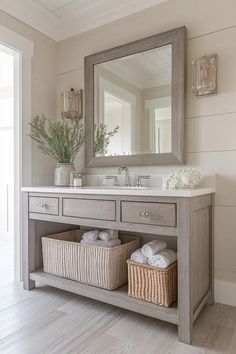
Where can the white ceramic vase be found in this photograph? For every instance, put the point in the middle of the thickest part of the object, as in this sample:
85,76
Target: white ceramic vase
63,174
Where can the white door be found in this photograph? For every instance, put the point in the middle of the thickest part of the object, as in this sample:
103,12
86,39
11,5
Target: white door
118,112
6,165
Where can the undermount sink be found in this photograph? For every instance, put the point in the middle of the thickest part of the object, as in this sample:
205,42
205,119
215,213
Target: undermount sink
115,187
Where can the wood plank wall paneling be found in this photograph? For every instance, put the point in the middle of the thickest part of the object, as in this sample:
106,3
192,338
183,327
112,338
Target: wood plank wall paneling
210,121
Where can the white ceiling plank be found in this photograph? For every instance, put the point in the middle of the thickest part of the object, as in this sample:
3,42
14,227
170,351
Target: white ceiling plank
143,70
80,9
53,5
80,20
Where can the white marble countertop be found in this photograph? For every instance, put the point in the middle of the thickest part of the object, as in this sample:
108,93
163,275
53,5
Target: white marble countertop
155,192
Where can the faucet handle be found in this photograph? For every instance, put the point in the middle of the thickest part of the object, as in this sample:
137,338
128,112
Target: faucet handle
139,180
115,180
123,168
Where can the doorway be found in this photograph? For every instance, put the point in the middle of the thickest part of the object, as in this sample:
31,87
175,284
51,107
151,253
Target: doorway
118,112
9,73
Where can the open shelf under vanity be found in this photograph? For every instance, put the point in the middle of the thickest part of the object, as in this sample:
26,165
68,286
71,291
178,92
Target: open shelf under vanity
118,297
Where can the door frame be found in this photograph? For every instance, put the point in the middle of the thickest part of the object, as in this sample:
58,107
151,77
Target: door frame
23,49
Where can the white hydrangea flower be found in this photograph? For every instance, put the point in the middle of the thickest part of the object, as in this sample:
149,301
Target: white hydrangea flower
187,178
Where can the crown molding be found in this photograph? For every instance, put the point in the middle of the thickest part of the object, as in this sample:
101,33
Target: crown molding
34,15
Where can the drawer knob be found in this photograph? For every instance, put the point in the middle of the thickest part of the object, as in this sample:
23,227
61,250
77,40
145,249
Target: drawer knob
43,205
145,214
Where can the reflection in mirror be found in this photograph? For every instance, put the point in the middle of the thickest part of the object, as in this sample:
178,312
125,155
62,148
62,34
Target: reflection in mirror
132,97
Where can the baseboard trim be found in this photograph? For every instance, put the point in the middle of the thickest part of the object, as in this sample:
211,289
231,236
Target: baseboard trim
225,292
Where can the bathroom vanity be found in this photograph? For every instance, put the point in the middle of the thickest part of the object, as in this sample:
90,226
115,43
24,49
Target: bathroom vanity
134,116
182,218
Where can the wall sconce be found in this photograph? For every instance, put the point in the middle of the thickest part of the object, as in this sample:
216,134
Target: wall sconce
72,104
204,75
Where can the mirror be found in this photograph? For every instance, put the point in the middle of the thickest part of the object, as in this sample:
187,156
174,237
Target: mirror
133,104
134,99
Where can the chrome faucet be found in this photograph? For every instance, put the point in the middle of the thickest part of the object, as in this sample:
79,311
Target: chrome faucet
127,177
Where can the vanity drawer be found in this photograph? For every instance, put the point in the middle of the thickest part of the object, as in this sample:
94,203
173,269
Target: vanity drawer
162,214
89,209
43,205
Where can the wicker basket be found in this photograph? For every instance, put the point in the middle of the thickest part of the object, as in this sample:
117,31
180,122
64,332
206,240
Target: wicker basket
106,268
152,284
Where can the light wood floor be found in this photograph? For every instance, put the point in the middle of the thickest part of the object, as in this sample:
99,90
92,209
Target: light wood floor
6,259
47,320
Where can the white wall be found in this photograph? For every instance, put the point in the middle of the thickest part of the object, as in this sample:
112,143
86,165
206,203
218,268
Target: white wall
210,121
43,89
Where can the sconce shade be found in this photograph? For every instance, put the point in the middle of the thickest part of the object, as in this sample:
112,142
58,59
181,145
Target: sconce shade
204,75
71,104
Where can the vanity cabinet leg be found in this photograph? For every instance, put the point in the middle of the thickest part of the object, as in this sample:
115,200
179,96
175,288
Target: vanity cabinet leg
28,239
185,314
211,299
185,331
28,284
211,234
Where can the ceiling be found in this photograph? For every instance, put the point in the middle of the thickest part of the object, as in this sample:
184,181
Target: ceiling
61,19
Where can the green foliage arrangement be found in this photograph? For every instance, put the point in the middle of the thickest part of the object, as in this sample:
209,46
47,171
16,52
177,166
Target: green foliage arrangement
59,139
102,138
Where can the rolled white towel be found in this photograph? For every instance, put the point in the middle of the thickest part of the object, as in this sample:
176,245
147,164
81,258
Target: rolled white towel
163,259
91,235
138,256
101,243
151,248
104,235
114,234
107,235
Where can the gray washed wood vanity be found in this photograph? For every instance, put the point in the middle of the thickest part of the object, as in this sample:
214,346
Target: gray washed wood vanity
182,218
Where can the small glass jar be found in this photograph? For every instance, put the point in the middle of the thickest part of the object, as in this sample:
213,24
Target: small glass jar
77,179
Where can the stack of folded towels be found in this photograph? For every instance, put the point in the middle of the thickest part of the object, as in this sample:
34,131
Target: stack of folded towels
104,238
155,254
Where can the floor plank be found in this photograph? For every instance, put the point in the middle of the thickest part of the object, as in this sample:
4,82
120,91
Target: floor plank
6,259
47,320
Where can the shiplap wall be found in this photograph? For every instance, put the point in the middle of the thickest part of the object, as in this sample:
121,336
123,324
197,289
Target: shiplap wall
43,90
210,121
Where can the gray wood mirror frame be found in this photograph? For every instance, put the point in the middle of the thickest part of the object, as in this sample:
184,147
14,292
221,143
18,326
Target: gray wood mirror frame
126,144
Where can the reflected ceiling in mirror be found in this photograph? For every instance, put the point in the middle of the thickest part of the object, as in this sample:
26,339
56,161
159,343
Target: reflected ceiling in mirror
132,104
